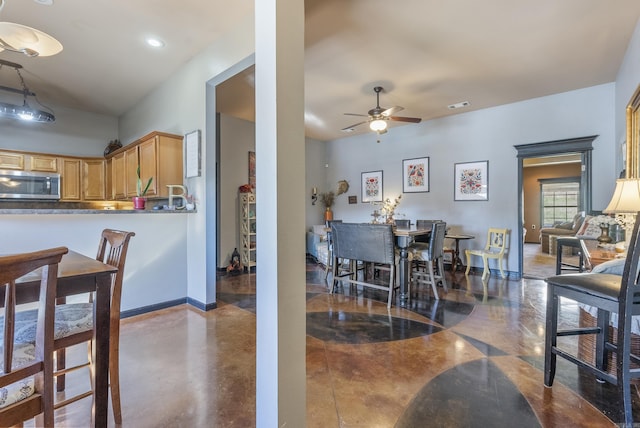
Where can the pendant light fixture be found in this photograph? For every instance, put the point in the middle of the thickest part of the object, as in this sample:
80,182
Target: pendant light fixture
25,111
26,40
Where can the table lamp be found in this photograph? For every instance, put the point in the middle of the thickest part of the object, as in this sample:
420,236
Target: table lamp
625,204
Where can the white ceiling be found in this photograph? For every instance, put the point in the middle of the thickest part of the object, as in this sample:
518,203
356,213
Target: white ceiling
427,54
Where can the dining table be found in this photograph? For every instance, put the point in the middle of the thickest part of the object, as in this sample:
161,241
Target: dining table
404,238
456,261
78,274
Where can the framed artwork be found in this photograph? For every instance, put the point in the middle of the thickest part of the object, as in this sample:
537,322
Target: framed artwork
252,169
471,181
372,186
191,143
415,175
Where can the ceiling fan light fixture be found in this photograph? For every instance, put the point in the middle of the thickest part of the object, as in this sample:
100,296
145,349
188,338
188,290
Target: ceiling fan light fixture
378,125
26,40
155,42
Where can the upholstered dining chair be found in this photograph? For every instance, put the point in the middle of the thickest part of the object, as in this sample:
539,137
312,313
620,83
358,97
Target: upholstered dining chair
495,248
74,322
616,299
368,243
26,378
428,256
329,265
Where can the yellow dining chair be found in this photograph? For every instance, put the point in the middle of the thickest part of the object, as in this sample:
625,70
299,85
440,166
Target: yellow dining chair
496,245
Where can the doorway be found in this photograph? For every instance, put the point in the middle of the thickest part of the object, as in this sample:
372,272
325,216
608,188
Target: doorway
561,150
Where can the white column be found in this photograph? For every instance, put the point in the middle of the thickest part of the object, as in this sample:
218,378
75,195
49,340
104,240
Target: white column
280,178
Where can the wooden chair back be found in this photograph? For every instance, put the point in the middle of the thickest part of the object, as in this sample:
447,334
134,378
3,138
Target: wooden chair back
496,241
112,250
41,366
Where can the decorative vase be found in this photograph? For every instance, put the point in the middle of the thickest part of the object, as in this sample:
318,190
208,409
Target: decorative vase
139,202
328,214
604,237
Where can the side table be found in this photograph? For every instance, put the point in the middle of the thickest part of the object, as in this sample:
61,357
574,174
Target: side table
456,261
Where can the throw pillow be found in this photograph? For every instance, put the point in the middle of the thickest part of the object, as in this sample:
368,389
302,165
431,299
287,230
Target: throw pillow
589,229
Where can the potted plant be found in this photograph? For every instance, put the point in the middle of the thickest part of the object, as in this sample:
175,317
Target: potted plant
140,200
327,200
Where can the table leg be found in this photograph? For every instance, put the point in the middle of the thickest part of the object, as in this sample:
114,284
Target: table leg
403,266
458,261
100,351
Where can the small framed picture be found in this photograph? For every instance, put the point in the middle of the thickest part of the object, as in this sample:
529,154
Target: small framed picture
415,175
372,186
471,181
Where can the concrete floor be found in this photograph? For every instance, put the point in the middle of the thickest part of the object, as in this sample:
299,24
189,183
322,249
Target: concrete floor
471,359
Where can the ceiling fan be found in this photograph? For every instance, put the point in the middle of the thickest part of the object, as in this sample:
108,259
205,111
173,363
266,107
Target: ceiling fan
378,116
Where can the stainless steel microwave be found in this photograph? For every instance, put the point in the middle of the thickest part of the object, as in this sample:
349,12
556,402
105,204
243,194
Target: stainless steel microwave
29,185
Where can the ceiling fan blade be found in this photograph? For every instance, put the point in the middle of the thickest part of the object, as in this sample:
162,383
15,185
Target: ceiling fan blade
350,128
406,119
392,110
356,114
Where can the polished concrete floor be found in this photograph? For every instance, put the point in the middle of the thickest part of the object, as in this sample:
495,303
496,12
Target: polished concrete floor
472,359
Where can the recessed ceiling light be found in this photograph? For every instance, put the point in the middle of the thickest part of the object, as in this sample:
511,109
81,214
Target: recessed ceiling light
44,2
155,43
460,105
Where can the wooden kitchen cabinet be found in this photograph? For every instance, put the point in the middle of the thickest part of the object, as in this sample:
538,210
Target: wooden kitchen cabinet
118,176
131,174
9,160
70,179
43,163
159,156
93,177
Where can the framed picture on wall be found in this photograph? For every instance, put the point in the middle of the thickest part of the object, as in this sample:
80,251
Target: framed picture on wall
415,175
372,186
252,169
471,181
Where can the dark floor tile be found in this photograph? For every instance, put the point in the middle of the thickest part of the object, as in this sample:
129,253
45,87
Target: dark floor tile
347,327
474,394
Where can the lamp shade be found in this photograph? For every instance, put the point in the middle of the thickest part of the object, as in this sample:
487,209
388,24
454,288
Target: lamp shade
626,197
378,125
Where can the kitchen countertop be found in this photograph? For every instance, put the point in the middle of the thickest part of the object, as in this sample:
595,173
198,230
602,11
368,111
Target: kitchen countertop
89,211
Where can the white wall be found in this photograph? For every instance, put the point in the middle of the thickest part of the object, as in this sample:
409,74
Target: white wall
237,139
156,261
488,134
316,176
178,106
75,132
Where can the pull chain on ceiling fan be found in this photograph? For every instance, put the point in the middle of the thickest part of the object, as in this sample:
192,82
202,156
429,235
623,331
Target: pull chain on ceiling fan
378,116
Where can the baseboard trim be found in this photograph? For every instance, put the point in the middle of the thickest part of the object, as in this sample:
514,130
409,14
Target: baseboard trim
168,304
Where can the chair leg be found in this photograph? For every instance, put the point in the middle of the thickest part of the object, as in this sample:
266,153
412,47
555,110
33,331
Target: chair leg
466,272
550,339
500,266
432,279
485,267
114,374
441,271
602,355
60,365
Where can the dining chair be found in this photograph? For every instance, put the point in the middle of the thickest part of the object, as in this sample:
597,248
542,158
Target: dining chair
329,265
26,379
430,255
495,248
577,245
74,322
616,299
367,243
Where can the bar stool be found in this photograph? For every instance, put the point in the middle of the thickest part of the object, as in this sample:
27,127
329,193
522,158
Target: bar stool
583,255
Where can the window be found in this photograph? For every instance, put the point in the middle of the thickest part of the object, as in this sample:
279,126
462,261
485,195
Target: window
559,200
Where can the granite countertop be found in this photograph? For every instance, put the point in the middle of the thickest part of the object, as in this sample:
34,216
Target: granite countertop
89,211
97,207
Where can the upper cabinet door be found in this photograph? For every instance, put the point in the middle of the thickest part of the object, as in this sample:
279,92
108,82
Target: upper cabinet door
94,180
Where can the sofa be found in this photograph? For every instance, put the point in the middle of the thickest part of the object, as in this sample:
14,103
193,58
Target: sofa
570,228
317,245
